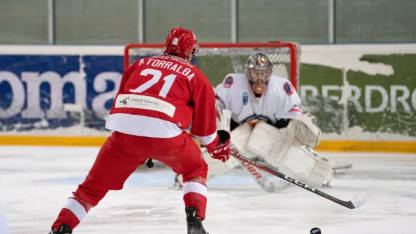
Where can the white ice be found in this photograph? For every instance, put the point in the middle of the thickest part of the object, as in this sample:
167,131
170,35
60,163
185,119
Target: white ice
36,181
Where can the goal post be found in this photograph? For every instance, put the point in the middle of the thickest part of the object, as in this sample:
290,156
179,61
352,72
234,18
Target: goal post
218,59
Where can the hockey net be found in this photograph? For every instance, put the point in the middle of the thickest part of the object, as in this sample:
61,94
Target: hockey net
216,60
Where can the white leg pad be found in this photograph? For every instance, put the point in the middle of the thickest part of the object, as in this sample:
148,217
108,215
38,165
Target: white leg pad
322,172
240,137
269,142
295,163
305,165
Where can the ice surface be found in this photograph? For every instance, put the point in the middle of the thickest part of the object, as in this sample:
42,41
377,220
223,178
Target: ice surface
35,182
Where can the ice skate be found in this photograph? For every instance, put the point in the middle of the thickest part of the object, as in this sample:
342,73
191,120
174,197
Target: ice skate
63,229
178,183
341,168
194,224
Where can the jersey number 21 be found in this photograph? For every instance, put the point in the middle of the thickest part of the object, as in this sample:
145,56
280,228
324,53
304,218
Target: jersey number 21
156,75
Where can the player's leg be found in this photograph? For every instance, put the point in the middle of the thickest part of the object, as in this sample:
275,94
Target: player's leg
187,160
109,172
215,168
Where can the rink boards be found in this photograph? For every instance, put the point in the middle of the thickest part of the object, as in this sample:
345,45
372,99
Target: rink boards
36,82
324,145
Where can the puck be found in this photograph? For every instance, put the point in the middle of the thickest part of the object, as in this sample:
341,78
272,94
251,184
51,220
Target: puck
315,230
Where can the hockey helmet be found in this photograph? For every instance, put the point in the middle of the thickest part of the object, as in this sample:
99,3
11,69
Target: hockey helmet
258,72
181,42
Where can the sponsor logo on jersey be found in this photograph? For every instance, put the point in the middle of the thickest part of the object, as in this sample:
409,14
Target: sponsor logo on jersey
228,81
245,98
144,102
288,88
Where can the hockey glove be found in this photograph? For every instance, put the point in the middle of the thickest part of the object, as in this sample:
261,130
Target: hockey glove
221,148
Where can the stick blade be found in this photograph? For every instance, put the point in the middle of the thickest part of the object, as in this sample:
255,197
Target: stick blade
359,200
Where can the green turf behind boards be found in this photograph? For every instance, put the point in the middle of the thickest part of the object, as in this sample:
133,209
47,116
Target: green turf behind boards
377,103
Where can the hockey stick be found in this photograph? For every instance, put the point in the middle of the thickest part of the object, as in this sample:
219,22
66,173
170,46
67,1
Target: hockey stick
356,202
266,184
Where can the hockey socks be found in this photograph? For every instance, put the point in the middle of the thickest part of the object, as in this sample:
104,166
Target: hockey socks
194,195
71,214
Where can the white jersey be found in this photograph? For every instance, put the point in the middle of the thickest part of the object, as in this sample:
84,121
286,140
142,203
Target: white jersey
279,100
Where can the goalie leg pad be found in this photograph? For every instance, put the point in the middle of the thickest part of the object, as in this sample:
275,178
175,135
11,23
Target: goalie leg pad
271,184
240,137
305,165
269,142
322,172
279,148
296,163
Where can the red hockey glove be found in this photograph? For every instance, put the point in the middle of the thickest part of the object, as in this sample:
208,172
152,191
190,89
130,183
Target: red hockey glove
221,149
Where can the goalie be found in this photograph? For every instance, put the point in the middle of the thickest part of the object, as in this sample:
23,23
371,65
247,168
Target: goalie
267,123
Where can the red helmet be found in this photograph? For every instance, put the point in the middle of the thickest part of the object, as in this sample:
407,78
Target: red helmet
180,42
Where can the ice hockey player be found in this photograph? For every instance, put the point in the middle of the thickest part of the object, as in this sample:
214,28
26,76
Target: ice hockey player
158,98
268,124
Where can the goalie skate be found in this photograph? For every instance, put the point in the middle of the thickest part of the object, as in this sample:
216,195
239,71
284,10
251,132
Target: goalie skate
178,183
341,168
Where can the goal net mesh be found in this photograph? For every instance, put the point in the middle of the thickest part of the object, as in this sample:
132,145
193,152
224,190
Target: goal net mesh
216,60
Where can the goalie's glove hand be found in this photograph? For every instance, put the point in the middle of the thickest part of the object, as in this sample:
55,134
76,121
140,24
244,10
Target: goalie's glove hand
220,147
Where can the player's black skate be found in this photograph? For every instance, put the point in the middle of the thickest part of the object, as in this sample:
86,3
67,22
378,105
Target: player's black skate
194,223
63,229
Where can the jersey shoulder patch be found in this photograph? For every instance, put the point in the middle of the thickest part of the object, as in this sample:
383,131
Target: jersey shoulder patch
228,81
288,88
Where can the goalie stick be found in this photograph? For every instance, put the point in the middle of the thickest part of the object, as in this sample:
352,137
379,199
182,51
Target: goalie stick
356,202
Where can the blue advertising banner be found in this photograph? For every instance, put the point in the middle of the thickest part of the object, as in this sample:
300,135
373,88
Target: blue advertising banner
34,90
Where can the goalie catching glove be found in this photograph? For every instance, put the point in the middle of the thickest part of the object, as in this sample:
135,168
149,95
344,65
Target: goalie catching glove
220,148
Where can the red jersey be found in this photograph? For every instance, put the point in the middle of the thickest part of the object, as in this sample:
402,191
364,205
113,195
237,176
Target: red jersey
160,97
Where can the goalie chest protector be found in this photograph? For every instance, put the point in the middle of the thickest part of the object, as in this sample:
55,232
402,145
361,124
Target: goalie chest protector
276,103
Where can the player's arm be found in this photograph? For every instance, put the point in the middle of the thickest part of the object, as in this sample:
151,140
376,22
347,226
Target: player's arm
204,126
